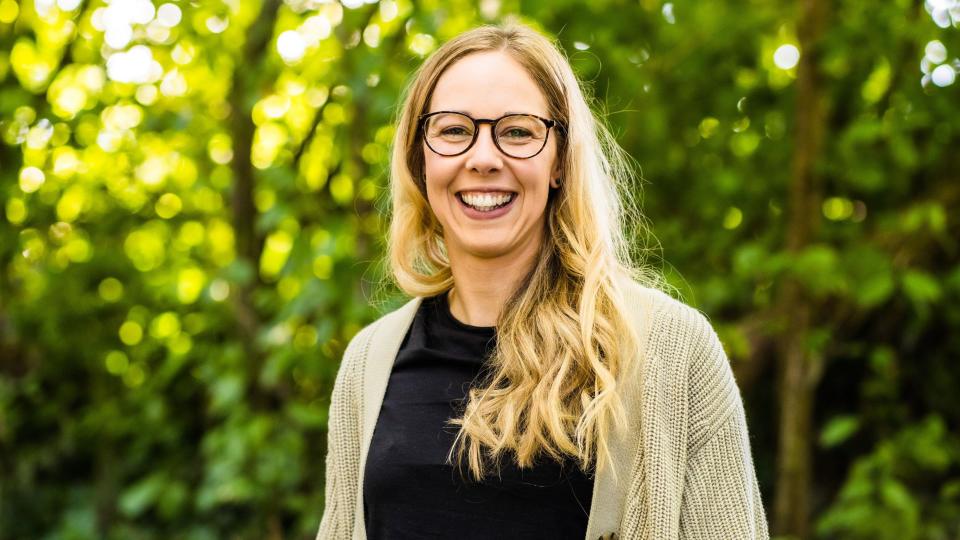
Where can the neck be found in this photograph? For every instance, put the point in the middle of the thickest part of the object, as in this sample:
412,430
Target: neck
483,285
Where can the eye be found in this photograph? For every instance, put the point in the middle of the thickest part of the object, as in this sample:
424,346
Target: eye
516,133
457,130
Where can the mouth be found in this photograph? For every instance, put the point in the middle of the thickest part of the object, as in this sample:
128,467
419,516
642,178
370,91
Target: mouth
486,202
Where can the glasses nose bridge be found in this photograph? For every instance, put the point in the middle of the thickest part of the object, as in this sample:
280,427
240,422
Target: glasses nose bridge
479,122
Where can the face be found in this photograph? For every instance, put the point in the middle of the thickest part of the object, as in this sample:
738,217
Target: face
490,85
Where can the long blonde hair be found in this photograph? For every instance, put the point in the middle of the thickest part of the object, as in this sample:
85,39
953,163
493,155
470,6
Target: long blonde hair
563,339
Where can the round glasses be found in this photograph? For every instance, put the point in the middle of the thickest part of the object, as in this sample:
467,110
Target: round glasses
520,136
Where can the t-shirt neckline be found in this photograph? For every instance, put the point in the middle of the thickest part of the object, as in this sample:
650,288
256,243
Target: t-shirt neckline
448,317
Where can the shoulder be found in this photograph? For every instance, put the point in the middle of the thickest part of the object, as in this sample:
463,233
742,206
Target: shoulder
683,348
672,326
659,316
387,325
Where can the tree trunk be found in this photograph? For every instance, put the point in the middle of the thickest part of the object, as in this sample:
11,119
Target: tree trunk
800,367
251,64
249,244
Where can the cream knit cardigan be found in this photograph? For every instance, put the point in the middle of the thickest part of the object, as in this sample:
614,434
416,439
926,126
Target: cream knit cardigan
682,468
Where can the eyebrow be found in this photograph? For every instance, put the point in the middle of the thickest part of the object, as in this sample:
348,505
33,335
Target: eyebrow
472,116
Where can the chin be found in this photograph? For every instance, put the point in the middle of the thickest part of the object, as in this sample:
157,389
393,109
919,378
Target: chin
485,250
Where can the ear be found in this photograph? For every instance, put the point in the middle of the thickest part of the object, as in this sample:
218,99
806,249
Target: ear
555,174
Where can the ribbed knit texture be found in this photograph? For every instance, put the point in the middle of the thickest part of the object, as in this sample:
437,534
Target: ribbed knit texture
686,450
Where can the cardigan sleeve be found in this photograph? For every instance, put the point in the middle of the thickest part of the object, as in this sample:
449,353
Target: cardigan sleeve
343,443
721,496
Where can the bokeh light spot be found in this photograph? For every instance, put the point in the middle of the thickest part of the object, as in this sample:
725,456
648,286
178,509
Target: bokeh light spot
31,178
291,46
116,362
943,75
164,325
190,284
131,333
16,211
733,218
786,56
168,205
110,289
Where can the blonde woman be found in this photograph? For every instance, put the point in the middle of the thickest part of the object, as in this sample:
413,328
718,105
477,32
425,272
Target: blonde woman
538,385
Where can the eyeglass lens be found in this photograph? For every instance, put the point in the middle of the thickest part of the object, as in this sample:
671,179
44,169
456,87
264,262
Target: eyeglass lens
518,135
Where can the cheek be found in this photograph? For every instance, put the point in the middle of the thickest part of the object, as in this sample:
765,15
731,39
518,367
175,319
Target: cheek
545,164
436,179
537,177
437,171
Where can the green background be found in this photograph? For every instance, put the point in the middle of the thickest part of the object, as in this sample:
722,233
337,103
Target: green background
192,218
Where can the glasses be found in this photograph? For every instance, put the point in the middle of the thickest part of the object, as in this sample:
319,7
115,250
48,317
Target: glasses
520,136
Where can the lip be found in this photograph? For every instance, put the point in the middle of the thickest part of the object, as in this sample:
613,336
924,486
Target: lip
487,190
493,214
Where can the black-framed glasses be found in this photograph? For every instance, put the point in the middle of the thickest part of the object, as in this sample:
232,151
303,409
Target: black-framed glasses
520,136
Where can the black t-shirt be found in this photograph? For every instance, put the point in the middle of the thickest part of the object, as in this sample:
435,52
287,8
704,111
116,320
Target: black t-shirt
408,490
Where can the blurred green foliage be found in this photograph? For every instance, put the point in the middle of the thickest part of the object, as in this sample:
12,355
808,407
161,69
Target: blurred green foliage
192,203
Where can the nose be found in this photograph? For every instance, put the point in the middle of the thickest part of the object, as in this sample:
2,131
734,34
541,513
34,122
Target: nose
484,157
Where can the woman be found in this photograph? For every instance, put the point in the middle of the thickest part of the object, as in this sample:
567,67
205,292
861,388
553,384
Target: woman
537,385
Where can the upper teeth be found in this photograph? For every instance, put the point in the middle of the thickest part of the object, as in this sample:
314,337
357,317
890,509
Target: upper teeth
485,199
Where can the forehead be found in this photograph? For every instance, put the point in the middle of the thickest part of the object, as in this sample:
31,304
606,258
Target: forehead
488,85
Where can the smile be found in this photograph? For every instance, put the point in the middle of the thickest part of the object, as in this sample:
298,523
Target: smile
487,205
486,202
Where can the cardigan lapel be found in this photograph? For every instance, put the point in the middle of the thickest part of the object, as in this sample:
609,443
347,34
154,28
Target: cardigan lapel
384,346
610,488
385,342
